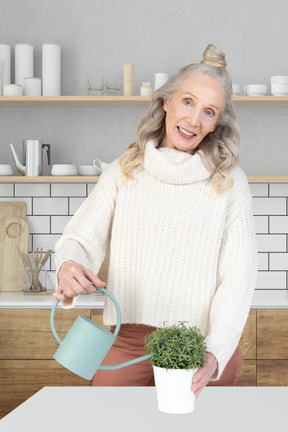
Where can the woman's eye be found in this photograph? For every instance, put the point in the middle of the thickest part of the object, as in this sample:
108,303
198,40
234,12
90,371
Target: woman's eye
210,113
187,102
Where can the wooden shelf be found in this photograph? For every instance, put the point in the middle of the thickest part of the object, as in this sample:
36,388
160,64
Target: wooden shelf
93,179
118,101
48,179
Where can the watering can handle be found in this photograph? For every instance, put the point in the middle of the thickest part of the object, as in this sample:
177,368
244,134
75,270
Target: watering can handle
52,321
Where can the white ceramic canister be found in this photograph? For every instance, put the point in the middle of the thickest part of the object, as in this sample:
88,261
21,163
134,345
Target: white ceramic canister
32,86
146,89
51,69
5,55
24,62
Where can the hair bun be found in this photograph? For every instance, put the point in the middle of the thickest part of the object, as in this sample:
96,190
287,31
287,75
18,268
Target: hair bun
212,56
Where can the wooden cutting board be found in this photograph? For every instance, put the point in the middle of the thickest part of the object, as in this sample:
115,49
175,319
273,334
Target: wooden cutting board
13,233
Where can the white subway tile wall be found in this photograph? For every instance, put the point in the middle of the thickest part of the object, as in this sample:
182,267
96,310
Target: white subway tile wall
50,206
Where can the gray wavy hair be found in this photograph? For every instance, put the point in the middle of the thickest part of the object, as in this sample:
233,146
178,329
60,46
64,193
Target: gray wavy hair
219,148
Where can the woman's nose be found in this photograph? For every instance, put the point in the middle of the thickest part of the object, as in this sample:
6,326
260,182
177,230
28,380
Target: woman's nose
195,118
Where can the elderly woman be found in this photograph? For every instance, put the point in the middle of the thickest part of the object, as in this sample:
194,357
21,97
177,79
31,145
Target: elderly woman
174,213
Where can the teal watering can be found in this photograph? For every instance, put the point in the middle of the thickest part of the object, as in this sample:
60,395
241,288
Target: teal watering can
86,344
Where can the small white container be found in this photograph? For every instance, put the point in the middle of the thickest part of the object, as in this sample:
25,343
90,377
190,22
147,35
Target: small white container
174,390
160,79
12,90
6,170
64,170
146,89
89,170
32,86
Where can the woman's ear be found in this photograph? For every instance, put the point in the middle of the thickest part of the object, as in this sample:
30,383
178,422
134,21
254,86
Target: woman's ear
165,104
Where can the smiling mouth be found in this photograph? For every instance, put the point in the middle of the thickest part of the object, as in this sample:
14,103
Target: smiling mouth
185,132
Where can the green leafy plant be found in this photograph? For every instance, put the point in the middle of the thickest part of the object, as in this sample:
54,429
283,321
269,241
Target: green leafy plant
176,347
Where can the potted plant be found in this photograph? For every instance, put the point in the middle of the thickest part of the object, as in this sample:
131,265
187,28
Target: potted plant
177,352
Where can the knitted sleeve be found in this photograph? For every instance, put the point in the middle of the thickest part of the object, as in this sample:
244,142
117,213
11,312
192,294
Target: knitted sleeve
236,276
86,237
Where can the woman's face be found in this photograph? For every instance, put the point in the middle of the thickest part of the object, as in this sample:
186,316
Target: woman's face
192,112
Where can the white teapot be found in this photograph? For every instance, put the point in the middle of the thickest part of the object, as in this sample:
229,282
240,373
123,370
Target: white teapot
100,165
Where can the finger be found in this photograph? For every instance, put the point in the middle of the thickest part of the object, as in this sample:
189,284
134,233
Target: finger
94,279
60,296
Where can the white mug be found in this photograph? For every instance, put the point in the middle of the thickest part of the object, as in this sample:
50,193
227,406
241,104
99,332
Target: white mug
12,90
100,165
236,89
160,79
255,89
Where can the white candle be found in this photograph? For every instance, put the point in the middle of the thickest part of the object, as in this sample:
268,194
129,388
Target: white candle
51,70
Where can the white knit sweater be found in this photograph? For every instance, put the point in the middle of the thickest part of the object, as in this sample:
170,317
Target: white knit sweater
178,251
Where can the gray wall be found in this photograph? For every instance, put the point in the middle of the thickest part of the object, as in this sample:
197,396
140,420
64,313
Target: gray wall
99,36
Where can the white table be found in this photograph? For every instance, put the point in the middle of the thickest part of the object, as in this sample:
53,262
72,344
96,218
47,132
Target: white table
134,409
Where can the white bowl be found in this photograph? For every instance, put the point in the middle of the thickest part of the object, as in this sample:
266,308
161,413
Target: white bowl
279,79
6,170
64,170
89,170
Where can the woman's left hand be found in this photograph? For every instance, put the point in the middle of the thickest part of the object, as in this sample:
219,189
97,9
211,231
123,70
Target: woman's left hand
204,374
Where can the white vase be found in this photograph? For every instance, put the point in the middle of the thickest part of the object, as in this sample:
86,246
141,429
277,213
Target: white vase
173,389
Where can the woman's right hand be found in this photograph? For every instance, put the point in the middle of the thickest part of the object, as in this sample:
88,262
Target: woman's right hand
75,279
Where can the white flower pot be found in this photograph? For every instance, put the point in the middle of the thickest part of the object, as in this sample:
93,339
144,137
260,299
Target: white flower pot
173,389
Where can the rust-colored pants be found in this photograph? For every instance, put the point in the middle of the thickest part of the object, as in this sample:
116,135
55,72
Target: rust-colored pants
130,344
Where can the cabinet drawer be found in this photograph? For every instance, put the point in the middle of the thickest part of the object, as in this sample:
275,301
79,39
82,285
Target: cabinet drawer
272,372
248,338
248,374
26,334
272,334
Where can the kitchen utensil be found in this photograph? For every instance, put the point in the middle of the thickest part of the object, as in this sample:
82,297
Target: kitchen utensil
32,156
45,259
64,170
255,89
113,85
51,69
86,344
129,80
13,233
37,258
24,62
160,79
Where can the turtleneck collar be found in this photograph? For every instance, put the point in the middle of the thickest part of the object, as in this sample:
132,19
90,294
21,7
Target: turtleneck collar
174,166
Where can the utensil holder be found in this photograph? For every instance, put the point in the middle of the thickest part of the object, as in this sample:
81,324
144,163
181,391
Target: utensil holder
27,279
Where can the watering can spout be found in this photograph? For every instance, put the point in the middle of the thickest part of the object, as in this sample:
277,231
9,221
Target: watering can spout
86,344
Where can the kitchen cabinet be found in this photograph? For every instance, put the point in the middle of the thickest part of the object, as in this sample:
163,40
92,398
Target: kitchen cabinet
264,345
28,346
